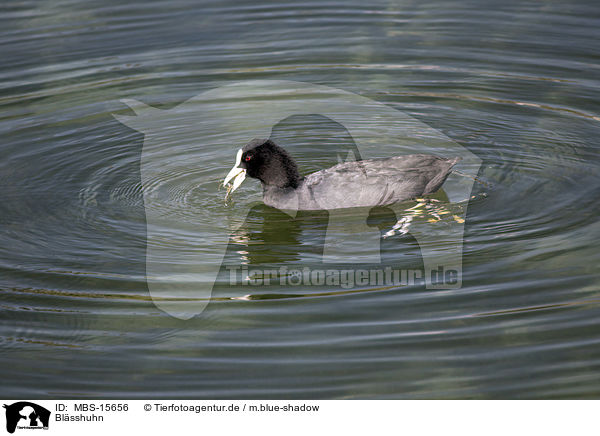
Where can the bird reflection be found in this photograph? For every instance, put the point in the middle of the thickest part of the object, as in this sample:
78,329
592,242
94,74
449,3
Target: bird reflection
270,236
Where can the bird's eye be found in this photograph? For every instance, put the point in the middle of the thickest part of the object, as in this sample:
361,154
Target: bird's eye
248,158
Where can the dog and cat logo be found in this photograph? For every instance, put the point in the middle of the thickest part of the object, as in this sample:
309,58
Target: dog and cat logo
26,415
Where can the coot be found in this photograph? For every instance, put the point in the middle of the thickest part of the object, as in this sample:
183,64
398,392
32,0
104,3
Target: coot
364,183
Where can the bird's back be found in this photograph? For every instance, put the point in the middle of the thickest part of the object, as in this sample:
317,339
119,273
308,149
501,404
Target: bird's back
373,182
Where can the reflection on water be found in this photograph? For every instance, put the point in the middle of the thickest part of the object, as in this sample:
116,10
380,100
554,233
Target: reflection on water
516,84
271,236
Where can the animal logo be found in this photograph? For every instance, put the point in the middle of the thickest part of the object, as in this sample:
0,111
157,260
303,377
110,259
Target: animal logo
188,150
26,414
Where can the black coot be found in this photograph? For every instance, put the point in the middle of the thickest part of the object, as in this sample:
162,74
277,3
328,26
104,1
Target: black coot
365,183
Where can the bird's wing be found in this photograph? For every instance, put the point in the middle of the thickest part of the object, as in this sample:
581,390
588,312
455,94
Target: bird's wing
375,182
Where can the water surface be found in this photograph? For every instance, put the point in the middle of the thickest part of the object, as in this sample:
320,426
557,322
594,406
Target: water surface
516,84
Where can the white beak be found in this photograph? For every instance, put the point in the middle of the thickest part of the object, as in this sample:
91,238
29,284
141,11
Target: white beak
237,174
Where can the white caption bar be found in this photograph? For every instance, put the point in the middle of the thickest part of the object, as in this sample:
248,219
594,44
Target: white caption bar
359,417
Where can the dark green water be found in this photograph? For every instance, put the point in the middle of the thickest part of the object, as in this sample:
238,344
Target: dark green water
515,83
